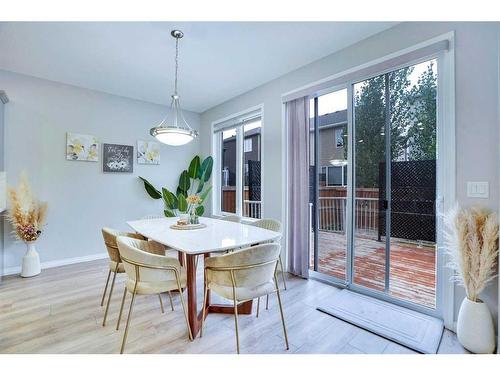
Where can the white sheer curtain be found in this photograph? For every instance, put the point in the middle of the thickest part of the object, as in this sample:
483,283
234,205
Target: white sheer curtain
297,122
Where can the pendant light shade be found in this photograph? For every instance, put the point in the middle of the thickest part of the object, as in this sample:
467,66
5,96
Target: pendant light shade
174,129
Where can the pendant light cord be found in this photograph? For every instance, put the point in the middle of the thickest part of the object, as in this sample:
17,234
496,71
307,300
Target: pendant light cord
176,63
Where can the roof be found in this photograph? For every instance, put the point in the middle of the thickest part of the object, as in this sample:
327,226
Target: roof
332,119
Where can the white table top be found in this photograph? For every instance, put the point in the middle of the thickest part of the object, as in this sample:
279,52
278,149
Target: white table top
219,235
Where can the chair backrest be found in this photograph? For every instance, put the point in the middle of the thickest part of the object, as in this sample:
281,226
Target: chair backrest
233,218
109,236
251,267
152,216
269,224
140,258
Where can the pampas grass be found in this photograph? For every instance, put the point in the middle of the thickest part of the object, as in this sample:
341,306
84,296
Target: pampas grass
471,240
26,214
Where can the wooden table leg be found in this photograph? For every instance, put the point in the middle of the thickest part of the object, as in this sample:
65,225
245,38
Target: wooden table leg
194,321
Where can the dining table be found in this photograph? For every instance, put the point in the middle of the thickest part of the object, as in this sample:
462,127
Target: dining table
214,236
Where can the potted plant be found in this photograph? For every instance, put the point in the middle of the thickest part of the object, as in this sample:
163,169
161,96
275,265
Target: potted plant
191,192
27,216
472,243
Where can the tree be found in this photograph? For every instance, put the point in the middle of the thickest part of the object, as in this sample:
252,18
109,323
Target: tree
422,132
370,118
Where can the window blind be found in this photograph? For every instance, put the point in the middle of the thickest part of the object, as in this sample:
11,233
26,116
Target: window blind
365,72
238,121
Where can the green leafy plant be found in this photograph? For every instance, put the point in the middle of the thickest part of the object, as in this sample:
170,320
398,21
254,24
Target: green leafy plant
191,192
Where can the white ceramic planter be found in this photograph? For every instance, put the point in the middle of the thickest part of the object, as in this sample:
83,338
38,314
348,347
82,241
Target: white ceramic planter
475,329
31,261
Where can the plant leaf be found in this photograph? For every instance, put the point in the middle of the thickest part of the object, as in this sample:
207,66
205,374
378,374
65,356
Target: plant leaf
182,192
200,210
170,199
151,190
206,168
184,181
182,203
194,167
169,213
200,186
204,195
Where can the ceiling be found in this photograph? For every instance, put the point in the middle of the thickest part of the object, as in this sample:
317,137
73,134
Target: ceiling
218,60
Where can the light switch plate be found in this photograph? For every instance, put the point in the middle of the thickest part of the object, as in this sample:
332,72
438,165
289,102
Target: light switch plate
478,189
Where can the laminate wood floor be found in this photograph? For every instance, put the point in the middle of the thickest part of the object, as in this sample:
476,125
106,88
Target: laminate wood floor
59,312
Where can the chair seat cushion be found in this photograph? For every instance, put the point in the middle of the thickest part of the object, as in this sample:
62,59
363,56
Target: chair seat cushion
243,293
155,287
112,267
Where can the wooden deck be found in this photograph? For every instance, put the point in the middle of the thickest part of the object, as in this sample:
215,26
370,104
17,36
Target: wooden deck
413,267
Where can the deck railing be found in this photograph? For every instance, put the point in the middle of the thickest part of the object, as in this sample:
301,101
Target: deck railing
252,209
332,214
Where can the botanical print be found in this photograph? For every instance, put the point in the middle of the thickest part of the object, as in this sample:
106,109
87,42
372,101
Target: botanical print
148,152
82,147
117,158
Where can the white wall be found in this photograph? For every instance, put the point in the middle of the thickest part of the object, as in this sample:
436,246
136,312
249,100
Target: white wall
476,82
82,199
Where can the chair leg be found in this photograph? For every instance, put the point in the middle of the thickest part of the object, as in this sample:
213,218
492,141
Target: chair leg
205,293
236,325
161,303
190,335
170,298
281,312
121,309
109,297
105,288
267,302
282,272
258,306
128,322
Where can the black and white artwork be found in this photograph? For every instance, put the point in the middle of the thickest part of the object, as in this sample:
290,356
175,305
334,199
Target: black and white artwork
117,158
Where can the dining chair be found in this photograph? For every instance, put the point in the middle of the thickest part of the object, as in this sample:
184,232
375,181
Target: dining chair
167,249
243,276
148,273
115,264
275,226
233,218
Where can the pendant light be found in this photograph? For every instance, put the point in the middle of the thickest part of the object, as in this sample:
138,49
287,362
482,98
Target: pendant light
174,130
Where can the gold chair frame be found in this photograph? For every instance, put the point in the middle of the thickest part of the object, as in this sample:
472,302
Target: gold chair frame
137,267
115,272
231,270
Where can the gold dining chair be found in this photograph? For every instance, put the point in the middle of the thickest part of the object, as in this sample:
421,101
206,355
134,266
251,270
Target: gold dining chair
148,273
115,264
275,226
243,276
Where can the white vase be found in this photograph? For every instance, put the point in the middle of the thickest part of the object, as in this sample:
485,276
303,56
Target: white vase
31,261
475,329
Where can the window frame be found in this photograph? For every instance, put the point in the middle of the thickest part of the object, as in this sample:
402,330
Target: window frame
216,146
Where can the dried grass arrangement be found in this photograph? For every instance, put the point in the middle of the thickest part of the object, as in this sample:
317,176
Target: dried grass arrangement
472,242
26,214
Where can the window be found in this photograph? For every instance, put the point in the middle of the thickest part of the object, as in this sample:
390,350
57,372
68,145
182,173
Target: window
333,176
247,145
339,137
237,154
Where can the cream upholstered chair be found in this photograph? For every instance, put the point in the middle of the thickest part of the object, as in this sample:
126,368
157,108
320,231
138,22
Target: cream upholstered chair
243,276
115,263
233,218
275,226
148,273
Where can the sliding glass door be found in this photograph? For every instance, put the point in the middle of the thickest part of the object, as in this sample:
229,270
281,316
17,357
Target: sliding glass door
373,194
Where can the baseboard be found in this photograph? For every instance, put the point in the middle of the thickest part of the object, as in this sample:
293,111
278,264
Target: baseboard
58,263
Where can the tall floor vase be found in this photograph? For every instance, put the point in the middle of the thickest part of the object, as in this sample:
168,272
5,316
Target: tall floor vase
31,261
475,329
